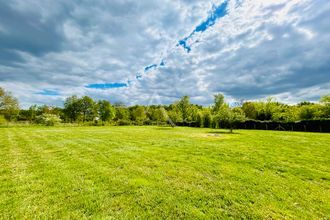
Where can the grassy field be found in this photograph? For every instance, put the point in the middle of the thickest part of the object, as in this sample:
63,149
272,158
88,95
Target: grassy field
158,172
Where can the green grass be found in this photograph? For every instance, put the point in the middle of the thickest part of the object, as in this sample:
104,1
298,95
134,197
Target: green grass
156,172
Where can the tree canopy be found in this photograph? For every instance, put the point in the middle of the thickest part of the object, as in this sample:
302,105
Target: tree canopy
9,106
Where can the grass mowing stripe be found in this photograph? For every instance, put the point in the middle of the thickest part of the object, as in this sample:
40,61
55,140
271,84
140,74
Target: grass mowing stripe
7,179
71,146
46,180
63,183
82,161
145,172
135,141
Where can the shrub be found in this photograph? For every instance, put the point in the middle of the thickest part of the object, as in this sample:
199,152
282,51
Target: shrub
123,122
48,119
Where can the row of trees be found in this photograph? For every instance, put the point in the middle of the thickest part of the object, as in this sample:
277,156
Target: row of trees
86,110
270,110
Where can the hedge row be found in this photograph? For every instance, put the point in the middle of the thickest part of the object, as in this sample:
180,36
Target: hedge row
308,126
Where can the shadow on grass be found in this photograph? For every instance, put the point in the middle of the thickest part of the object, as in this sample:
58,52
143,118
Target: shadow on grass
222,132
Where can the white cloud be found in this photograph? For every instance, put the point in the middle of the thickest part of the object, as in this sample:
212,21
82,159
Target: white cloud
261,48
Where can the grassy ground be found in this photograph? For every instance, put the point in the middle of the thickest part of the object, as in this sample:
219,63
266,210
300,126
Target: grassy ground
155,172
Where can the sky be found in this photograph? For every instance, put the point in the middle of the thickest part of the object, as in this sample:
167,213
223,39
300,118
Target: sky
154,52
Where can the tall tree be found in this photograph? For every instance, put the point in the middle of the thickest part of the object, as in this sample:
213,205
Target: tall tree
139,114
219,101
88,108
227,117
122,113
174,113
194,112
184,107
159,114
32,113
9,105
325,101
105,110
250,110
72,108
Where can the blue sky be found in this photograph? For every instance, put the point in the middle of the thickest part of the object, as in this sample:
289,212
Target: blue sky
157,51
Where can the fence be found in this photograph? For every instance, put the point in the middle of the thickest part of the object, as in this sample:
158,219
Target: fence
308,125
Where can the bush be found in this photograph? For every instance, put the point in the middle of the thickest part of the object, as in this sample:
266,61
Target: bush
122,122
48,119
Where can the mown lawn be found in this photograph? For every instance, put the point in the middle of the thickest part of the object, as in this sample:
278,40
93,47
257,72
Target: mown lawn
158,172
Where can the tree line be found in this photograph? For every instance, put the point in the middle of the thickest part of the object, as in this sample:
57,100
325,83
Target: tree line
85,110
